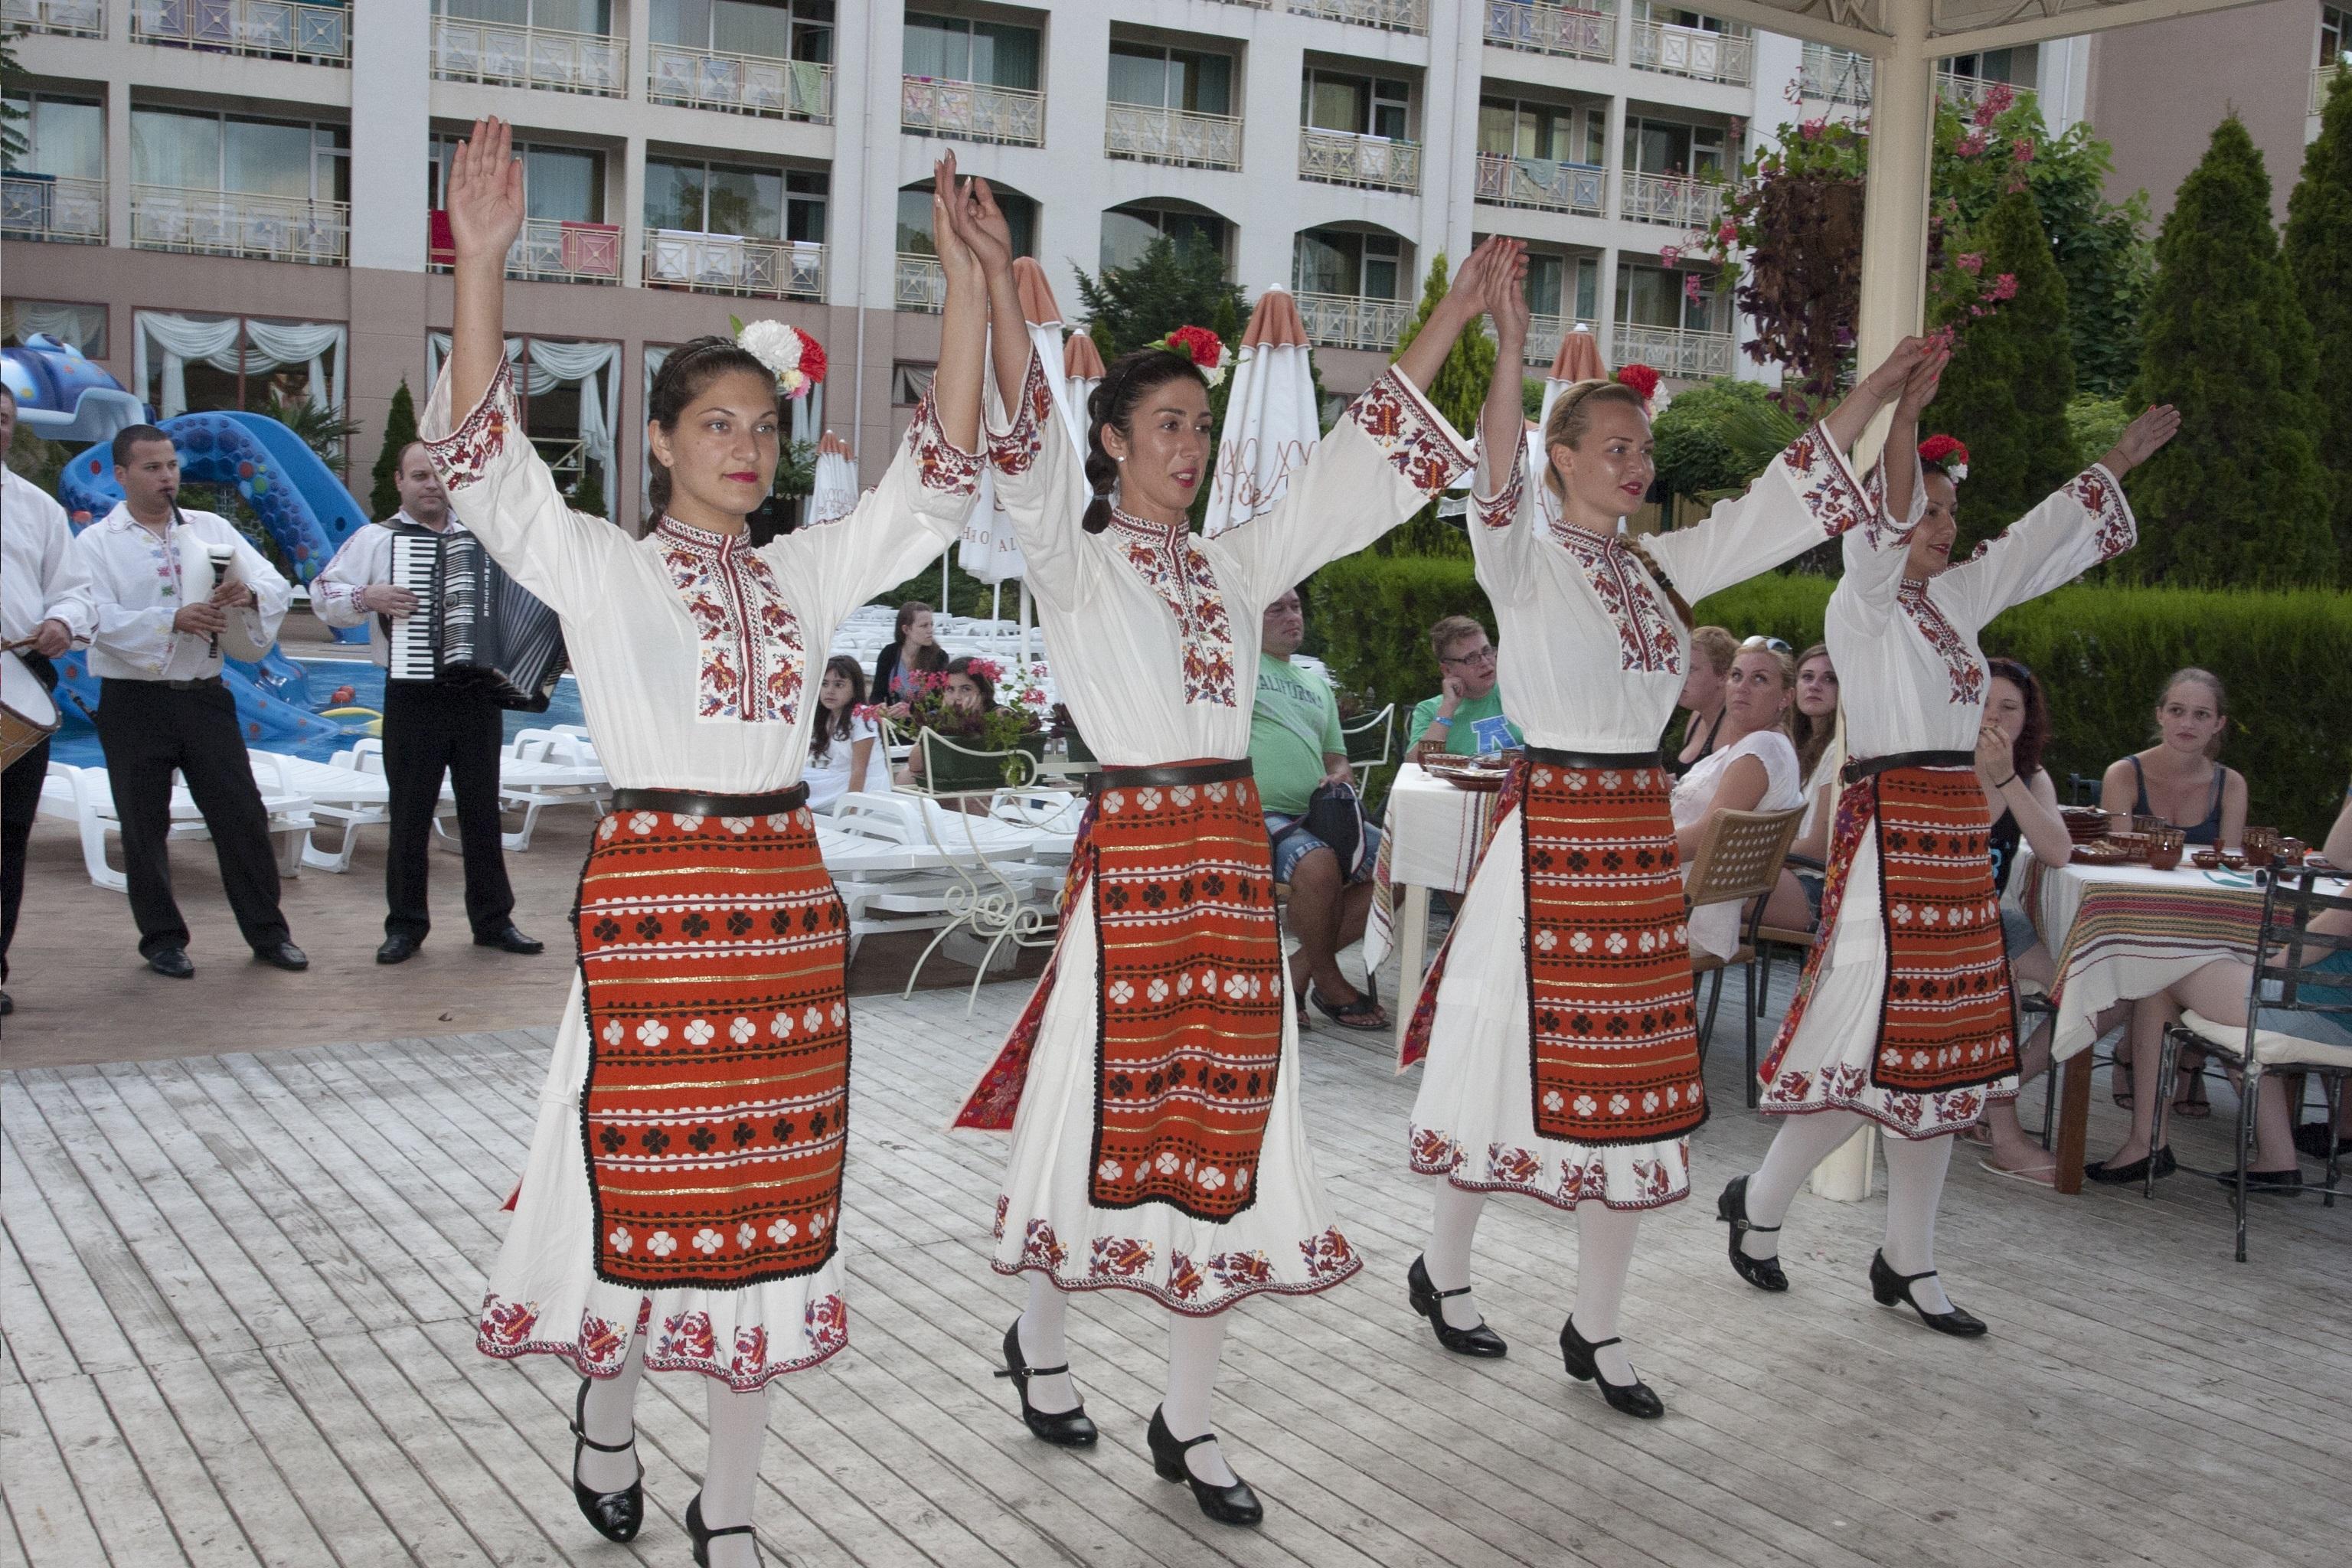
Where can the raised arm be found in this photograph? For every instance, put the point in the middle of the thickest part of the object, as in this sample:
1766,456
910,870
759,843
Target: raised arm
1465,299
1898,459
1852,417
1502,520
1504,418
485,212
979,227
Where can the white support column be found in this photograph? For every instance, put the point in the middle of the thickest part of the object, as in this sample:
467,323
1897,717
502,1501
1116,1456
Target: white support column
1604,307
1894,212
392,135
633,212
117,160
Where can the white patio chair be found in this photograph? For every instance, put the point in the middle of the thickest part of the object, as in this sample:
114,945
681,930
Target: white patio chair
85,797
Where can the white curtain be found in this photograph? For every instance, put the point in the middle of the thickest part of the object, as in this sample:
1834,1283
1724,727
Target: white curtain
81,326
267,345
594,368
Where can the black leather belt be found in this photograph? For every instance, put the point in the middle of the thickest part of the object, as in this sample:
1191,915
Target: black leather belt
1593,759
1860,768
1169,774
690,803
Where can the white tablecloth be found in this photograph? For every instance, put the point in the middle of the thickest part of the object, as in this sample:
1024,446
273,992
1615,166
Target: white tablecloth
1429,838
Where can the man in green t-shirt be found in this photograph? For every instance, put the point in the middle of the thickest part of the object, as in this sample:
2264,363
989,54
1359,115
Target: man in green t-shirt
1465,718
1295,748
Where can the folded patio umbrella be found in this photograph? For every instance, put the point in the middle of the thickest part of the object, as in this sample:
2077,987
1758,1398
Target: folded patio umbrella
835,492
1271,422
1579,359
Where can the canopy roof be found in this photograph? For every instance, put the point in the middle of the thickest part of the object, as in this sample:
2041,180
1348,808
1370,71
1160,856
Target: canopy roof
1953,26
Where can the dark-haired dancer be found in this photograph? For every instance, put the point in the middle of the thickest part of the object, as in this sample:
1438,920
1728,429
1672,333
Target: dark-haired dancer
1558,1020
683,1193
1158,1144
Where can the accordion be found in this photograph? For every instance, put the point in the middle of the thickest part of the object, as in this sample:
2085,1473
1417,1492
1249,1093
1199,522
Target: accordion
474,625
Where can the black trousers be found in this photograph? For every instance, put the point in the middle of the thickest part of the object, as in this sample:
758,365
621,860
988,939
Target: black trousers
20,802
430,728
148,729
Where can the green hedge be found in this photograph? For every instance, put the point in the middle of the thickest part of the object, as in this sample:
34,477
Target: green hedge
2101,650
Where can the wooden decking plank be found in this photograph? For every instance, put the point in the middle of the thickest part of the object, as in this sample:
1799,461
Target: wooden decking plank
254,1486
51,1519
129,1517
170,1469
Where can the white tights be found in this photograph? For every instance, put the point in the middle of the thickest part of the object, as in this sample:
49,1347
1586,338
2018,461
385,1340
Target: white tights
1915,1188
1196,1346
1604,1252
739,1426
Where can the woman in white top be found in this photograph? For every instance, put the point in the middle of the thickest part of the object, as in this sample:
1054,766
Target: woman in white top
841,745
682,1199
1904,1015
1753,768
1158,1143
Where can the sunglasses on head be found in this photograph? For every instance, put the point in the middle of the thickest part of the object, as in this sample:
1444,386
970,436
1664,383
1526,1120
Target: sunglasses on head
1774,644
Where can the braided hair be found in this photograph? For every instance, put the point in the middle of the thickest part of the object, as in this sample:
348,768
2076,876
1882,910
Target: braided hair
1112,403
681,380
1570,417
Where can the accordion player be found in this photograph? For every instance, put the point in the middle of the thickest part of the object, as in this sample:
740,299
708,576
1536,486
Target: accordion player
473,624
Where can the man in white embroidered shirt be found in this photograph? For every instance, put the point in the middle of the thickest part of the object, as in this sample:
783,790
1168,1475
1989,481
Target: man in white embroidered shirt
161,704
430,727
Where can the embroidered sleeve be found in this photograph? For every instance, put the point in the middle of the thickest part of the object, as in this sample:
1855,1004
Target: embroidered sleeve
1013,452
1827,485
2083,522
2114,530
1502,509
1413,436
940,465
464,455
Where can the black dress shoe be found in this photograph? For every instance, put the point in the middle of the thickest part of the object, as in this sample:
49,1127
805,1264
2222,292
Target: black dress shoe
1236,1504
1635,1398
1893,1290
7,1004
1071,1428
1764,1273
172,963
506,939
617,1516
1428,1302
283,956
398,949
2124,1176
704,1535
2312,1138
2287,1184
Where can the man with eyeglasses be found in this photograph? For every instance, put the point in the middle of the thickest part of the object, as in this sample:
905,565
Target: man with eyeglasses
1465,718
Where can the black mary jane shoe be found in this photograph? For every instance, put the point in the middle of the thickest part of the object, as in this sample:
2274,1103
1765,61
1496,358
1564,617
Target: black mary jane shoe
1236,1504
617,1516
703,1535
1893,1290
1430,1302
1071,1428
1635,1398
1764,1273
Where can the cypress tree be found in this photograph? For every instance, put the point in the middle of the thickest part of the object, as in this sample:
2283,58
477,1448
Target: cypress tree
1459,392
2319,252
2012,374
2239,499
399,430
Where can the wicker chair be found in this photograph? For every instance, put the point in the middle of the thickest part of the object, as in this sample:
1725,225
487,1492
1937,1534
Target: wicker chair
1738,858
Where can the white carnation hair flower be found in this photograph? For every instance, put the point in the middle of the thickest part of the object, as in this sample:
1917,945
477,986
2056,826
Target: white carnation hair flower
774,344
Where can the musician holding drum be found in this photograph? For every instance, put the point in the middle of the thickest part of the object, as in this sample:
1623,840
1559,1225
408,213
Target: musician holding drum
431,726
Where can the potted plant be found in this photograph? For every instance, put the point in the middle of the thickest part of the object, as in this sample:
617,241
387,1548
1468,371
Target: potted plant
963,750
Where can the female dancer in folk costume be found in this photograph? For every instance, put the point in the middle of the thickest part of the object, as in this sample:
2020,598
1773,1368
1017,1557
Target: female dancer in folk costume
1151,1087
1558,1020
681,1203
1905,1015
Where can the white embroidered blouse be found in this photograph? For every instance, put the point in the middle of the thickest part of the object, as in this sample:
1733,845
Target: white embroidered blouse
1590,655
1155,630
693,648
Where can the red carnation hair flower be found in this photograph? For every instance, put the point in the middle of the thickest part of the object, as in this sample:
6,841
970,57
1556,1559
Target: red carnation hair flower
1198,345
1641,378
812,359
1943,451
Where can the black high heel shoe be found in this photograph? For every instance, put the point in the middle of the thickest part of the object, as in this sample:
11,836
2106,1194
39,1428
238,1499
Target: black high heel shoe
703,1535
1635,1398
1894,1289
1427,1299
1070,1429
617,1516
1764,1273
1236,1504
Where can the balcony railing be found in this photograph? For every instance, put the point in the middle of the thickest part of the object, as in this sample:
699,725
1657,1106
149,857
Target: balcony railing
1351,321
555,250
1396,16
1966,92
1344,158
1672,199
1548,29
921,284
1544,333
531,57
741,84
1836,76
2320,80
1676,350
50,207
74,18
971,111
1543,184
321,34
1694,53
731,264
1152,135
237,222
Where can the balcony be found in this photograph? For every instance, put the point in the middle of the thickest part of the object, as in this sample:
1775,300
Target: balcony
1965,92
1351,321
1728,58
1673,200
921,285
1396,16
237,222
2322,78
971,111
1344,158
1839,77
1546,29
741,84
49,207
1542,184
554,251
1152,135
505,55
71,18
730,264
1676,352
279,29
1544,333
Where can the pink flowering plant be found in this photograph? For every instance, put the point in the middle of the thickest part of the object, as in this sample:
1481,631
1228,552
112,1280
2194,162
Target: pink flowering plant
1020,712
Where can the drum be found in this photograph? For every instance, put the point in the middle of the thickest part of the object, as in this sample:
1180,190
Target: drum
28,716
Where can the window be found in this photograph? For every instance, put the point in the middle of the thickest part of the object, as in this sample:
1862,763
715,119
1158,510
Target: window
65,137
1675,16
915,221
949,49
195,151
909,382
80,326
1657,297
1127,233
1365,106
1544,276
563,184
2334,34
774,30
1171,79
1340,261
1588,289
1666,147
2015,66
196,361
556,16
730,198
1514,130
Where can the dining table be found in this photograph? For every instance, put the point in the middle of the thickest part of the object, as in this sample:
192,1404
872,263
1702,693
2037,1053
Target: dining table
1430,835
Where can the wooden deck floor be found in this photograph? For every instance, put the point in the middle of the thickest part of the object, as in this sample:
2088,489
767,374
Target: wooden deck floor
237,1298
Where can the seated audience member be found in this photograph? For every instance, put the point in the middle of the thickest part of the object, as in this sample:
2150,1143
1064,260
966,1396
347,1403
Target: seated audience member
1818,727
1712,651
967,690
2178,779
912,650
1753,767
840,747
1465,718
1296,749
